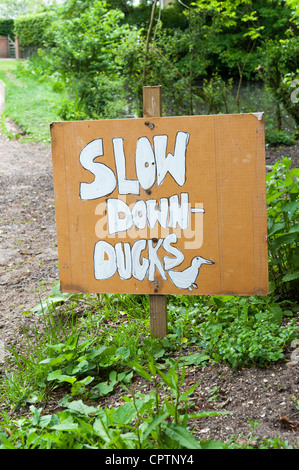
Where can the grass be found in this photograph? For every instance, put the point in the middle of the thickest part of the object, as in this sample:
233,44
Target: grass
31,103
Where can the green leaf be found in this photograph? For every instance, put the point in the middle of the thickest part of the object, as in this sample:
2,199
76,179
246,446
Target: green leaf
294,228
141,371
122,353
272,197
48,420
102,389
218,302
206,414
124,414
189,391
52,361
286,239
44,306
125,377
57,375
170,407
294,172
194,359
209,444
6,442
83,366
291,276
182,437
277,313
65,426
55,297
249,16
293,260
254,33
94,353
152,368
100,430
167,378
276,228
78,406
154,424
112,377
290,207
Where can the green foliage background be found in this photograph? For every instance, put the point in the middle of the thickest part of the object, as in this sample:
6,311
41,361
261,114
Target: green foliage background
201,53
7,27
31,29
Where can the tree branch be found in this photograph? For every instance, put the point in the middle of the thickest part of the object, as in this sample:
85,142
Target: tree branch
148,40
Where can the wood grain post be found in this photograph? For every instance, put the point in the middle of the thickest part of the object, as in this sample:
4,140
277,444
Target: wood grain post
152,107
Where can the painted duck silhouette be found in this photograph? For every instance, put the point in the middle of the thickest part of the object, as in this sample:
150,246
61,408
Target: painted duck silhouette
186,279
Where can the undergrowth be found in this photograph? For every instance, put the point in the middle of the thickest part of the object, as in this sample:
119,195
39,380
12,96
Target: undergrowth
90,353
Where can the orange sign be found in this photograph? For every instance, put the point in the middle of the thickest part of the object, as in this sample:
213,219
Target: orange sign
173,205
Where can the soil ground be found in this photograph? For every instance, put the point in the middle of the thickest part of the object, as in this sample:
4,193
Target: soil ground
28,267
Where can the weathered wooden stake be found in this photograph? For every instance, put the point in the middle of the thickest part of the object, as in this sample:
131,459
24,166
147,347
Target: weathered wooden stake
152,107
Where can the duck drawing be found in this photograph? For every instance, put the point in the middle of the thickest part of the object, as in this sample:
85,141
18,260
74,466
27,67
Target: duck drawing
186,279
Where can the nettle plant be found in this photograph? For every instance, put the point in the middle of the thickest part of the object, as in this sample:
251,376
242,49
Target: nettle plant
283,228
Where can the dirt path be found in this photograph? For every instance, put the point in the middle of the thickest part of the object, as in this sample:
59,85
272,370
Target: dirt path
28,251
28,268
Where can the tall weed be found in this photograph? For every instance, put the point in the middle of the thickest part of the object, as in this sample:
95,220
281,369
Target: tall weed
283,228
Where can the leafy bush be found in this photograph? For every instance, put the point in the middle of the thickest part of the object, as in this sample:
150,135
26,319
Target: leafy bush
95,98
283,228
32,29
275,137
84,42
280,64
7,27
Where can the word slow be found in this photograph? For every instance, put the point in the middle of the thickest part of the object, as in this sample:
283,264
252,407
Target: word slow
129,261
152,163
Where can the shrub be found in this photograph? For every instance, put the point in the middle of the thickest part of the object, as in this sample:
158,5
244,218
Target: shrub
7,27
276,137
32,29
280,64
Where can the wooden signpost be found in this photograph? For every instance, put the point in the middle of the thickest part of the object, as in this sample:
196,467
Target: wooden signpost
152,107
161,205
